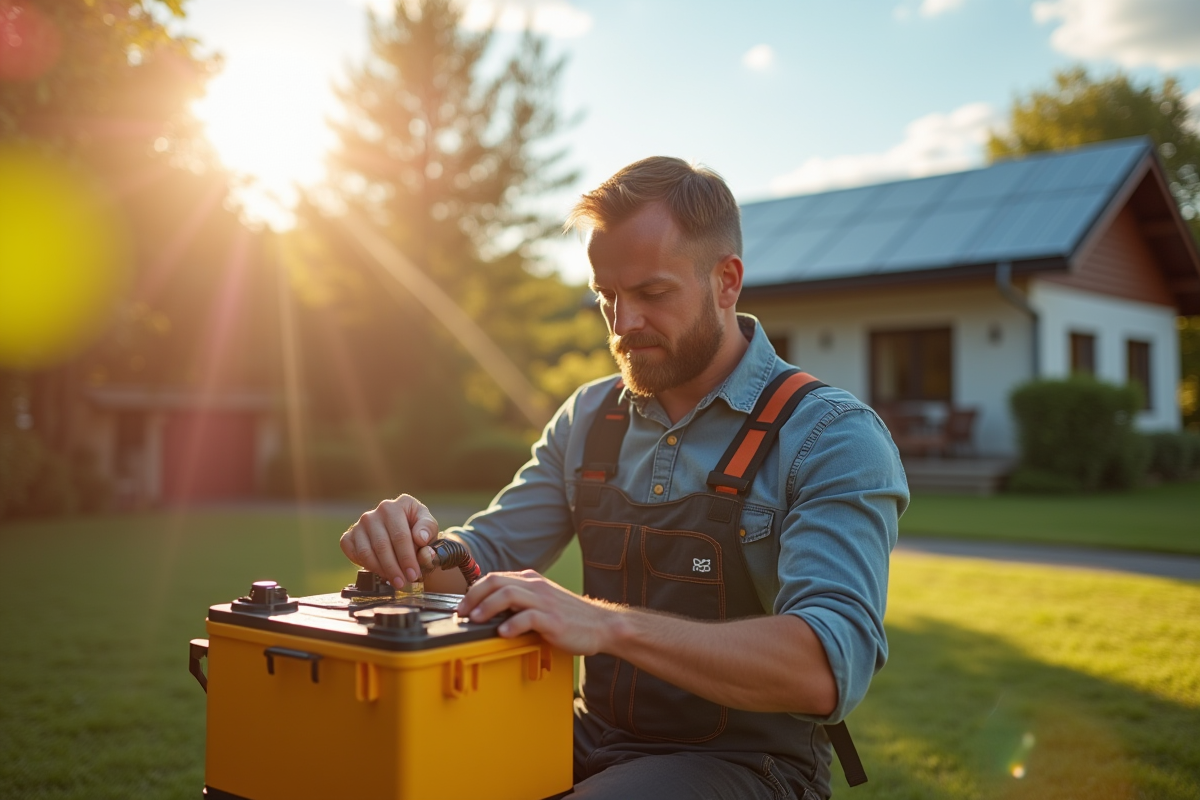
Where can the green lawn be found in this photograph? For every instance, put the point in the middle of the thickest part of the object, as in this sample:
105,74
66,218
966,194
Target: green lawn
1165,518
1086,680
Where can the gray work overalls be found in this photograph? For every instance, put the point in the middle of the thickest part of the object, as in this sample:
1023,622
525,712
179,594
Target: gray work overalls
685,557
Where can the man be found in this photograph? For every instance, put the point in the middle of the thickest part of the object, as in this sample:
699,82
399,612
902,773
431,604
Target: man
736,520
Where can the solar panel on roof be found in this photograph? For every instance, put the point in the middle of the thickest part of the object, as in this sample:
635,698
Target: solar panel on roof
1039,226
761,219
843,203
992,183
1039,206
785,256
856,249
914,194
938,239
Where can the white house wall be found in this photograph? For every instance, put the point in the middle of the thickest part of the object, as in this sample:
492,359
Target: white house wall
829,336
1113,321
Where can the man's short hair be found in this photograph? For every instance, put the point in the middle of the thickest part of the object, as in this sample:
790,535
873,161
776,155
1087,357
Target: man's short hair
697,198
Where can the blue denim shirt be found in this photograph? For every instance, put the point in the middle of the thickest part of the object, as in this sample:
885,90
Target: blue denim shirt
821,517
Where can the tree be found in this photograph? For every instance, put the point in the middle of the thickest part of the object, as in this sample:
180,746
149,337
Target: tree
1079,109
103,86
447,157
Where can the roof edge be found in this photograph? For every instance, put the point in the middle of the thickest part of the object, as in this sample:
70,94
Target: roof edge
929,275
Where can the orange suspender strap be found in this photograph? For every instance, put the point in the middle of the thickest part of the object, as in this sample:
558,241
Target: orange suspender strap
734,474
603,447
745,454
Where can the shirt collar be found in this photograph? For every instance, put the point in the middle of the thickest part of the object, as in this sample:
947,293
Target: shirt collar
740,389
748,379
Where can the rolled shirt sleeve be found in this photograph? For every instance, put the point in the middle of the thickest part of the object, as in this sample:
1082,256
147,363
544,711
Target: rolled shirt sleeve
836,539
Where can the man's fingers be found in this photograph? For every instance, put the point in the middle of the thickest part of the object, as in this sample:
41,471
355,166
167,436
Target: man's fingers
356,544
528,620
510,597
484,587
420,519
397,517
380,542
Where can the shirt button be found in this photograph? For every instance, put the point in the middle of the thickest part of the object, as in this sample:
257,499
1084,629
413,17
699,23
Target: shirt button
672,440
658,488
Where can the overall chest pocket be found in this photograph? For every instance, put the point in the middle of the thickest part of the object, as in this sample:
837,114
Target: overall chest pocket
684,573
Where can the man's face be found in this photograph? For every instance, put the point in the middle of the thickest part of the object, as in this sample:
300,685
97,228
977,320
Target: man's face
663,327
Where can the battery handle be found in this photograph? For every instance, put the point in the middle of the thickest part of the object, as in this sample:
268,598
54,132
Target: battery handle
198,649
285,652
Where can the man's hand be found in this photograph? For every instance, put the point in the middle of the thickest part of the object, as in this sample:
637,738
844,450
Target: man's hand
392,540
579,625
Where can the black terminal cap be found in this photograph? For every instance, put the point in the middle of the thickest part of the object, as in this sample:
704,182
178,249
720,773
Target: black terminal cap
368,584
266,597
397,622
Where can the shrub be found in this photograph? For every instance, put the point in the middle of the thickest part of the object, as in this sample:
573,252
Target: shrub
20,458
1193,440
1081,430
1129,463
36,481
1172,454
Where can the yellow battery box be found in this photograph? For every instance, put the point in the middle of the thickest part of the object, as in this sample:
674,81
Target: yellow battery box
389,698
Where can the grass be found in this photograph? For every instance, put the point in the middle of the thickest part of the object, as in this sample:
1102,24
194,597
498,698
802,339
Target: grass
1164,518
1089,680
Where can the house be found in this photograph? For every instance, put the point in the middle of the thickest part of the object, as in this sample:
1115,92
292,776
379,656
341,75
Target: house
933,298
180,446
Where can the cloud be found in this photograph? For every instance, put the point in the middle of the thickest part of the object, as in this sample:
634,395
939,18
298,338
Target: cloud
556,18
759,58
932,144
1164,33
932,8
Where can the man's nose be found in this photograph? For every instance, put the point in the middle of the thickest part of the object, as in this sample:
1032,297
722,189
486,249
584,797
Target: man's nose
626,317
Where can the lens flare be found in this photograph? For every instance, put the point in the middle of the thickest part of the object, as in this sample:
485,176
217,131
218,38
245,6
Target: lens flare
63,259
30,43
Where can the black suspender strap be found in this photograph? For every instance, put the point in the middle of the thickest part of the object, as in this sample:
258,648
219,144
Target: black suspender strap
847,753
746,453
603,447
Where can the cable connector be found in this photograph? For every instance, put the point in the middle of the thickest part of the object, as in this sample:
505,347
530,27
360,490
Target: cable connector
451,553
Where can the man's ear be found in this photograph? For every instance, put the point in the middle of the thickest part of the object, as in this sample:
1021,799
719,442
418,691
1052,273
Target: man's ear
728,275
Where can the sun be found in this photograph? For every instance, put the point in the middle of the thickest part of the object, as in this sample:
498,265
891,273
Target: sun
265,117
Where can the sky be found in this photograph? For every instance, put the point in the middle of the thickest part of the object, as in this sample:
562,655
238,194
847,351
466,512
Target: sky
779,97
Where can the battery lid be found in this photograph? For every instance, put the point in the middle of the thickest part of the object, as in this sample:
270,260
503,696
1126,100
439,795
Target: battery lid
351,620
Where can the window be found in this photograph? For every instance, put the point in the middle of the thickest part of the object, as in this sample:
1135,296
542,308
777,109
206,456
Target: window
1083,354
1137,360
910,365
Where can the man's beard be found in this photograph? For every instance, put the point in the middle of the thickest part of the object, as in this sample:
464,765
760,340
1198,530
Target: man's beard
681,361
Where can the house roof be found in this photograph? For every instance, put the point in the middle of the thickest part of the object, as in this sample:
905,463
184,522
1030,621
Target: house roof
1034,212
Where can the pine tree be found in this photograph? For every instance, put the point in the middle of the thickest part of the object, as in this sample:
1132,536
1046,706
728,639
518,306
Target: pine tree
446,151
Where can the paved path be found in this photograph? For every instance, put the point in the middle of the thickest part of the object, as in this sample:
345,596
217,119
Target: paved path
1165,565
